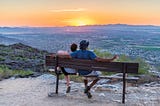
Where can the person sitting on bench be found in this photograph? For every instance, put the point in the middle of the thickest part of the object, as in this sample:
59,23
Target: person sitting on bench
83,53
68,71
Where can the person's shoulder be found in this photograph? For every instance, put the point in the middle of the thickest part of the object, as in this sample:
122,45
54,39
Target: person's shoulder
89,51
78,51
75,52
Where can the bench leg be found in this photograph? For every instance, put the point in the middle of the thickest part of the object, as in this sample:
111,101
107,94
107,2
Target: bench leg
57,83
124,88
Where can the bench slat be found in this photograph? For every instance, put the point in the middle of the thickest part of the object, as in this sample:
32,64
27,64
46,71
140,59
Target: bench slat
118,77
132,68
91,65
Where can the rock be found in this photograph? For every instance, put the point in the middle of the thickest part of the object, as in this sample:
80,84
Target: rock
36,74
106,87
12,78
16,76
102,95
147,79
152,84
119,101
103,81
47,76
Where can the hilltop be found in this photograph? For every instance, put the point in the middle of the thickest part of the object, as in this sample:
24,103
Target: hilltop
22,57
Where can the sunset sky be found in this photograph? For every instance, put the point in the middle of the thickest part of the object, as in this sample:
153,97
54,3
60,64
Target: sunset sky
78,12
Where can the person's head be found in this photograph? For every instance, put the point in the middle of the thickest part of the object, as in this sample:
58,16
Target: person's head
73,47
83,45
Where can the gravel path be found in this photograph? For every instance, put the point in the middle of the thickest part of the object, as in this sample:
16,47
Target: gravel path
34,92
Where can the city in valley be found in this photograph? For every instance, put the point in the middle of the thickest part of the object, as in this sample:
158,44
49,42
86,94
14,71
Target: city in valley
132,40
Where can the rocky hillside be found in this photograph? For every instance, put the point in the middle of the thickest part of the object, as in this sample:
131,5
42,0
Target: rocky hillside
22,57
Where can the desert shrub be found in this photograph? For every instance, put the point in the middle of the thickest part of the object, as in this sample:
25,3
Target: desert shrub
2,58
22,73
143,66
5,72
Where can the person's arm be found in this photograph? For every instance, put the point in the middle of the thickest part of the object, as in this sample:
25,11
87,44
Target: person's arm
64,56
60,55
106,60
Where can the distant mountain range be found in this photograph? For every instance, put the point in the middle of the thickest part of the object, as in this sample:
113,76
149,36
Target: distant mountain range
115,25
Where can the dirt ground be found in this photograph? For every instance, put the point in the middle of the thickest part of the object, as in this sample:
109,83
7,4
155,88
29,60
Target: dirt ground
34,92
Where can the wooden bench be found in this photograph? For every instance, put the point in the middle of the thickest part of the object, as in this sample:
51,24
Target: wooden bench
117,67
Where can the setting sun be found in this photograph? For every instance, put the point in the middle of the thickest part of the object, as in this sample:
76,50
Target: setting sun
80,22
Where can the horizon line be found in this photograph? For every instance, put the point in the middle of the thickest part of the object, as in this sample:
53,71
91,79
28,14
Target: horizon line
82,25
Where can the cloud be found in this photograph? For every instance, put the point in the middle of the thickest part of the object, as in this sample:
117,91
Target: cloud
69,10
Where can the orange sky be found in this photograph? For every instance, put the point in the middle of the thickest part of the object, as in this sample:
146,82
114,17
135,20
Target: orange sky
78,12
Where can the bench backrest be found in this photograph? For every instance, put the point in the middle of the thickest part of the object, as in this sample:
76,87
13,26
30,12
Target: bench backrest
119,67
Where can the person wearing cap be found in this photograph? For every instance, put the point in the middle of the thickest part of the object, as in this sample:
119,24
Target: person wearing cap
83,53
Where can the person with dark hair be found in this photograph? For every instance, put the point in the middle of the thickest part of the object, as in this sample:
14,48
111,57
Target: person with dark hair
68,71
73,47
83,53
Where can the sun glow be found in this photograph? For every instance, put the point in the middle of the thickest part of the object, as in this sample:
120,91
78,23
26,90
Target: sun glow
80,22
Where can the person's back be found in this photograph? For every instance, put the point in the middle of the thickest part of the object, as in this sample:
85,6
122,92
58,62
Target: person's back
83,53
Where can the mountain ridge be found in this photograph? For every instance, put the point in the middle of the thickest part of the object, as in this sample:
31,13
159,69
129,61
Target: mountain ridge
118,24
